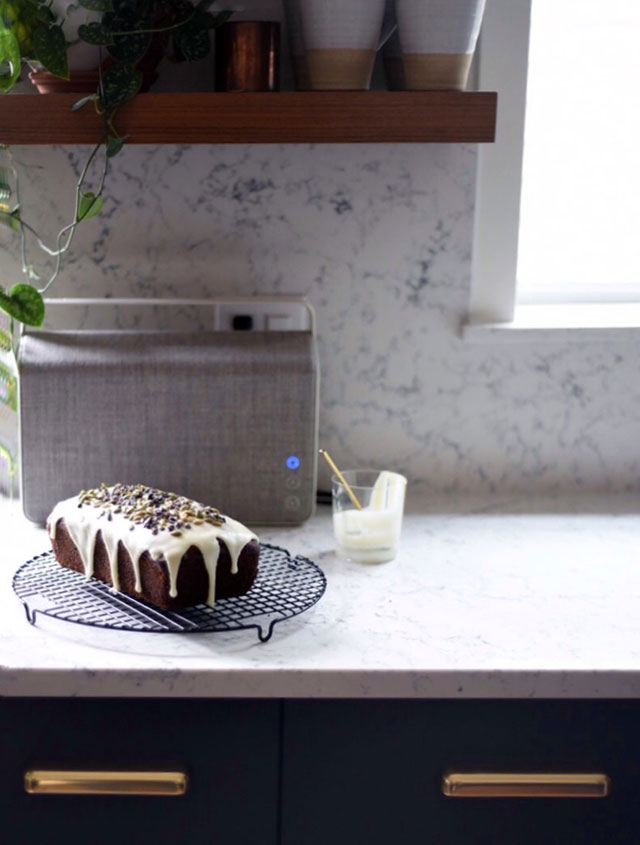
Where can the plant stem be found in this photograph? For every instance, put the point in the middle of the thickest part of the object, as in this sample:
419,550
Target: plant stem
41,244
160,28
14,343
71,227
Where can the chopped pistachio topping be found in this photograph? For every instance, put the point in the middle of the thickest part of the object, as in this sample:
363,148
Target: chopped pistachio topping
150,508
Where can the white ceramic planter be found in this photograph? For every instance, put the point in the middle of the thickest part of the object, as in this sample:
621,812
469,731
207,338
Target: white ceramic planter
341,38
438,40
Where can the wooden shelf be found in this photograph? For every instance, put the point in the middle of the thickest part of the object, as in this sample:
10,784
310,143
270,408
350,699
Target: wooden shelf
298,117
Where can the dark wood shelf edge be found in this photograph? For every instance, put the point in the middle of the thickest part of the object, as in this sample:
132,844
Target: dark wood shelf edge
280,118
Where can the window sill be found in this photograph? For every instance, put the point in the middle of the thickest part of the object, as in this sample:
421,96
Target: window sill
585,322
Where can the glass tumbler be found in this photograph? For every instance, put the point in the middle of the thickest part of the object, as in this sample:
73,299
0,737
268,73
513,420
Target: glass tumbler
370,534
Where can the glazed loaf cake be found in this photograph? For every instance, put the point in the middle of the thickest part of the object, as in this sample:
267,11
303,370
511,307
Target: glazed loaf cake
161,547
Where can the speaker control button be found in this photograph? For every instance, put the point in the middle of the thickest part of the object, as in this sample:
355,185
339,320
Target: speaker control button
292,503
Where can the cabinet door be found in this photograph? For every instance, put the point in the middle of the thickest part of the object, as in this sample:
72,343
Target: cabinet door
371,771
228,748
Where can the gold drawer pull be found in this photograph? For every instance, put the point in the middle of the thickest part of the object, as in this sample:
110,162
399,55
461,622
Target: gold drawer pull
59,782
530,785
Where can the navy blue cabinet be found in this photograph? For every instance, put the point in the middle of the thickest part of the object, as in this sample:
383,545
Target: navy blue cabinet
229,750
301,772
371,771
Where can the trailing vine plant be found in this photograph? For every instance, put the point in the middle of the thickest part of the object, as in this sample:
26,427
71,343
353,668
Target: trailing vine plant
126,32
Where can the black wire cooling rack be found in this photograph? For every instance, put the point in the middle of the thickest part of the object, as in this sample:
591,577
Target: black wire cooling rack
285,587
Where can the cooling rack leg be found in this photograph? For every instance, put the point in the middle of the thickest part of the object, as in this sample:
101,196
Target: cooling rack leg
261,634
31,615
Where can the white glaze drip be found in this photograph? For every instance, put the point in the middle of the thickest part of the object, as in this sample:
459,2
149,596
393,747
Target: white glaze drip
84,523
211,563
136,571
84,538
111,545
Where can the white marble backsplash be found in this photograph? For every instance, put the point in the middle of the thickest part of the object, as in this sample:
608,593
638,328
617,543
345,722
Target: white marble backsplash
378,237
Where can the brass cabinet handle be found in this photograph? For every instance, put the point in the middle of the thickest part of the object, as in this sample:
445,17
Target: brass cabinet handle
65,782
525,785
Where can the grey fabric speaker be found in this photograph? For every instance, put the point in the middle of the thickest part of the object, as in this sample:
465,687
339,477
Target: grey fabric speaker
226,418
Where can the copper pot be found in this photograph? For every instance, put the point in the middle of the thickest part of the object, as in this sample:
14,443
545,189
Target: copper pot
248,56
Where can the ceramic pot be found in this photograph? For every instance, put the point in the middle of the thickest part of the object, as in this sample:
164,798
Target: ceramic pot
84,58
341,38
80,81
438,40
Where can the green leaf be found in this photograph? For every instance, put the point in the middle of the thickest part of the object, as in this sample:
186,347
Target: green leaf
5,340
6,69
114,145
95,33
97,5
90,205
50,47
192,42
192,38
9,58
44,14
11,220
119,84
128,48
24,303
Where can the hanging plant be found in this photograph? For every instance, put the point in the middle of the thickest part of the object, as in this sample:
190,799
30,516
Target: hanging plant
124,33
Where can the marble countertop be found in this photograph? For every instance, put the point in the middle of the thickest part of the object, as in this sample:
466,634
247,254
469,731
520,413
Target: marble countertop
507,599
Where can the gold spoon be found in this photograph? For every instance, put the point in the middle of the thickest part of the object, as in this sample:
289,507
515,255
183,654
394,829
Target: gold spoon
341,478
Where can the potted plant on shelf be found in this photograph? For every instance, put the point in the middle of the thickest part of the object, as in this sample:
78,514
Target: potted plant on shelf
126,36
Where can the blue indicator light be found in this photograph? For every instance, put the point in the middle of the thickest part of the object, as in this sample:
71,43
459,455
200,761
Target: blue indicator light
293,462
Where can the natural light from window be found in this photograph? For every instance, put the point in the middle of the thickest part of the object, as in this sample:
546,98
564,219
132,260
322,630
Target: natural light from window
580,214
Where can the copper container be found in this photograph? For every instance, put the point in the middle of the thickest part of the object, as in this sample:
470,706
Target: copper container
248,56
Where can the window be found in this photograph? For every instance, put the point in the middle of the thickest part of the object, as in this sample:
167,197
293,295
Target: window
559,193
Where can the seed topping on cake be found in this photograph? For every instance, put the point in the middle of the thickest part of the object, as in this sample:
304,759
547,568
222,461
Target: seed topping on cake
152,509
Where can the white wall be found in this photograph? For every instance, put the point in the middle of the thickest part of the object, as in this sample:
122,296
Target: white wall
378,238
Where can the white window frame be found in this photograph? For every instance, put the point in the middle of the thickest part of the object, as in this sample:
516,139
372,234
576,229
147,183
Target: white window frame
502,67
503,53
